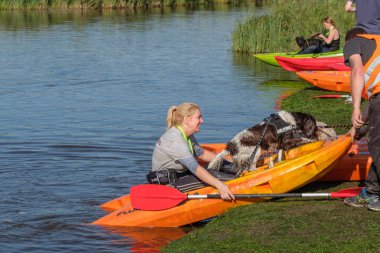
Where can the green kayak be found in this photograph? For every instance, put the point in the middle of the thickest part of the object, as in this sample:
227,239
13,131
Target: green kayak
269,58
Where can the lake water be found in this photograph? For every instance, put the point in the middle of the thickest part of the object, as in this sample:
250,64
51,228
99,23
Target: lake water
83,98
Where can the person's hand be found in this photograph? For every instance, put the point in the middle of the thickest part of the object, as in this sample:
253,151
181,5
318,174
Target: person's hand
352,132
225,192
356,118
314,35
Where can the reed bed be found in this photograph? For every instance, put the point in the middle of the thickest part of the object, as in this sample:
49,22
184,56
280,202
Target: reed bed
285,20
102,4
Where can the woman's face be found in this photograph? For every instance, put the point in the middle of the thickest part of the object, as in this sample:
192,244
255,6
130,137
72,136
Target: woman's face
194,122
326,25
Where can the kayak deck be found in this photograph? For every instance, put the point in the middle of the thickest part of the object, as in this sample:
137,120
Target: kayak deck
270,59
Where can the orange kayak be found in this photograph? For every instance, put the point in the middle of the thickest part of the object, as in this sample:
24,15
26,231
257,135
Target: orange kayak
303,165
328,80
354,165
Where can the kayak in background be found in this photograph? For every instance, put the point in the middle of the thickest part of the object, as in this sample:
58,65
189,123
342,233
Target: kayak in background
328,80
270,59
301,64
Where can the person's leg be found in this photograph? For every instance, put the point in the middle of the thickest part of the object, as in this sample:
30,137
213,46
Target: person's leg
309,50
372,183
370,194
325,50
191,182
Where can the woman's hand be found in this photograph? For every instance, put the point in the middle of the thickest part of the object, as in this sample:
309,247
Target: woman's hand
206,177
224,191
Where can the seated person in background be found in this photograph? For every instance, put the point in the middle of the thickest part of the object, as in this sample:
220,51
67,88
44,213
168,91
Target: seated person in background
174,156
331,39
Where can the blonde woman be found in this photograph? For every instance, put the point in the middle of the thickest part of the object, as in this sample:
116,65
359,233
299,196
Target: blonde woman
332,38
174,157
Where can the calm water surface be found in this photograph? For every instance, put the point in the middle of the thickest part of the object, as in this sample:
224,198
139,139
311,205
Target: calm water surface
83,98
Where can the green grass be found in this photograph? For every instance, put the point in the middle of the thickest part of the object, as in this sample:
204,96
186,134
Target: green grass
287,225
293,224
330,111
287,19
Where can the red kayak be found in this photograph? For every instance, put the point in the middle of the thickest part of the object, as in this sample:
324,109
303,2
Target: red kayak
302,64
339,66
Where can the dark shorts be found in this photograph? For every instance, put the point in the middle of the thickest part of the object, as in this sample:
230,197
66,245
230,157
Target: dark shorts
187,181
373,179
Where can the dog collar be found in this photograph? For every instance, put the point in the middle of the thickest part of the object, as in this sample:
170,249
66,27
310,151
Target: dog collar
281,125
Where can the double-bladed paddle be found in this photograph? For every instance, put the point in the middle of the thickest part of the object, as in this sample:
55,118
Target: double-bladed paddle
155,197
332,96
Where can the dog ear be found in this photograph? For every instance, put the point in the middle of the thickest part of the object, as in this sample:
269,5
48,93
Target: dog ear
310,126
270,137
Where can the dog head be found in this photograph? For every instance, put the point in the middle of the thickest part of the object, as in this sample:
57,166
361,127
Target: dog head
301,42
314,40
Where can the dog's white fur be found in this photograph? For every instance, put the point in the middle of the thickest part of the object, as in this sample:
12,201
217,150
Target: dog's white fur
245,151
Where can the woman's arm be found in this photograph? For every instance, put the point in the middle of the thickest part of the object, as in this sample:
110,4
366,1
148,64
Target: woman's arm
206,177
207,155
333,34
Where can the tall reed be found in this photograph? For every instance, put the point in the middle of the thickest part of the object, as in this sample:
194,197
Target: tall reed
103,4
285,20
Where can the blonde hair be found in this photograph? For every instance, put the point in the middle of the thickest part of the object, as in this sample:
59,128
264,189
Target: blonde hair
176,114
328,20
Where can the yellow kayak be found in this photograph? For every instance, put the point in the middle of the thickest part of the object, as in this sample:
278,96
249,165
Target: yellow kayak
303,165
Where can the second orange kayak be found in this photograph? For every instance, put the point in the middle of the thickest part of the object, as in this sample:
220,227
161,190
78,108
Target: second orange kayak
328,80
353,166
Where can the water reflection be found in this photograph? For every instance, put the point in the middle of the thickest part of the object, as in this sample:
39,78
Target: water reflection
148,239
13,20
84,96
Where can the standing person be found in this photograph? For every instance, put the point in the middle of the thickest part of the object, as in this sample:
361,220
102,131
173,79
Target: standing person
367,14
176,151
361,53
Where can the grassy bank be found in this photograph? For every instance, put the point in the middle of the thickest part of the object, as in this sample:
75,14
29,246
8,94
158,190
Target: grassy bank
287,225
102,4
287,19
293,225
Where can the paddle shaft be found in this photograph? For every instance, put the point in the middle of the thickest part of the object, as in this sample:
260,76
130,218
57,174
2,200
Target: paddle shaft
247,196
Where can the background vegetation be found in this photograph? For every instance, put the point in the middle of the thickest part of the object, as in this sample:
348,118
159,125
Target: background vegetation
102,4
285,20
